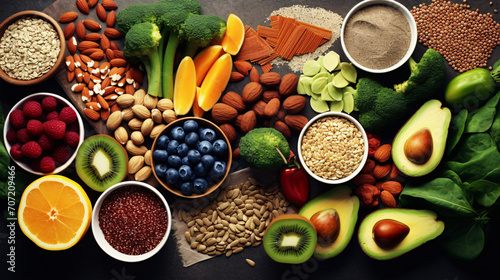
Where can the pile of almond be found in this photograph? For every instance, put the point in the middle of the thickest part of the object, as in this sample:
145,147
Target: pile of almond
379,179
145,117
267,97
96,62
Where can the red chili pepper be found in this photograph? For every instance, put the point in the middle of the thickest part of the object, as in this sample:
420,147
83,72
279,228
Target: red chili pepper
295,182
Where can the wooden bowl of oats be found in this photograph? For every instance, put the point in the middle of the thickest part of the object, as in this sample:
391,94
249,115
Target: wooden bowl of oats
333,147
32,47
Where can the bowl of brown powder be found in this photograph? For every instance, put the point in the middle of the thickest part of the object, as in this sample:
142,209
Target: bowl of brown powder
378,36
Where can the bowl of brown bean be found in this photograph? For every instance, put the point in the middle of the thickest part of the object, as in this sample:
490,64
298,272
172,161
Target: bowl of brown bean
333,147
131,221
32,47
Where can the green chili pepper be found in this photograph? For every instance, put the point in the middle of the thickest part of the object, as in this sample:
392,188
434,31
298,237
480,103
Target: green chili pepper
473,87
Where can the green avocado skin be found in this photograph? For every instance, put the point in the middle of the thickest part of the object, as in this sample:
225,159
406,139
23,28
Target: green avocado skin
470,88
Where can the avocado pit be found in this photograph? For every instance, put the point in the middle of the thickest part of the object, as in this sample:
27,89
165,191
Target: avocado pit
388,233
327,225
418,147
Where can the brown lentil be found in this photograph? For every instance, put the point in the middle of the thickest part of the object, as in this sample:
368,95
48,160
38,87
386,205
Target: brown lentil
133,220
332,147
465,38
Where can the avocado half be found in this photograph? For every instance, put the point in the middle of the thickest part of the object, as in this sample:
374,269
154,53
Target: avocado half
341,199
436,120
423,225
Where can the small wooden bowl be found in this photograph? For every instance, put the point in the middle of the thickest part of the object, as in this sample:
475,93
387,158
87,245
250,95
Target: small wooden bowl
35,14
220,135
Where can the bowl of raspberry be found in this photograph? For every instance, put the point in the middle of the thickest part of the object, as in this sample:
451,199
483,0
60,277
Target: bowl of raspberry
42,133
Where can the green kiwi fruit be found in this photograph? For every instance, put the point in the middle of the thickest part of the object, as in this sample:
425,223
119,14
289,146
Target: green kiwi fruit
101,162
290,238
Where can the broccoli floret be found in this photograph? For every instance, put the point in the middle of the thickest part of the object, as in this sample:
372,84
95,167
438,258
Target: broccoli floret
142,41
378,106
135,13
257,148
200,31
426,79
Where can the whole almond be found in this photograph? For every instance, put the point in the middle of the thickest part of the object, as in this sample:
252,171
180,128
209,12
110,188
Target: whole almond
92,3
118,62
97,55
283,128
137,137
101,12
105,114
237,121
148,158
70,63
125,100
234,100
223,113
143,174
67,17
121,135
169,116
111,19
139,97
368,167
362,179
229,131
270,79
93,37
156,115
114,120
272,108
150,101
135,150
147,126
383,153
294,103
104,104
135,163
394,174
388,199
288,84
105,45
296,122
254,75
91,25
242,66
248,121
83,6
270,94
381,170
69,30
236,76
393,187
112,33
70,75
157,129
251,92
72,45
164,104
109,5
91,114
80,31
259,108
128,114
135,124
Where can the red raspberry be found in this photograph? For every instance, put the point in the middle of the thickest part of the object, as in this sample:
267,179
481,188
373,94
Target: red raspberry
52,116
67,115
45,142
32,109
61,154
11,136
71,138
55,129
17,119
15,151
31,149
35,127
49,103
47,164
23,136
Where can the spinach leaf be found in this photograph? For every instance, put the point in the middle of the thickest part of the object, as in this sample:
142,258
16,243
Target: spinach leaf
464,240
457,127
488,192
481,119
470,146
479,165
495,129
446,197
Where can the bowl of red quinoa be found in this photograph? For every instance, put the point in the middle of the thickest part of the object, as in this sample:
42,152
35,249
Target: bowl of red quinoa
131,221
333,147
32,47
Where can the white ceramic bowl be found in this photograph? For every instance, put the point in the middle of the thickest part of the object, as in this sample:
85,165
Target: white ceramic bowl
399,7
99,236
365,153
39,96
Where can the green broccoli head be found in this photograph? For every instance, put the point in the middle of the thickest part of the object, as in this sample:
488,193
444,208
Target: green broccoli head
172,13
141,40
203,29
135,13
257,148
426,79
366,93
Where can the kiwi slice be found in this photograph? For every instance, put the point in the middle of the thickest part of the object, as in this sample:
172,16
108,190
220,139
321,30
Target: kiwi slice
101,162
290,238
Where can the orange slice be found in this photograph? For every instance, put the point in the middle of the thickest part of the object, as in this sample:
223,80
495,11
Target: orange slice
204,60
54,212
234,36
215,82
184,86
197,111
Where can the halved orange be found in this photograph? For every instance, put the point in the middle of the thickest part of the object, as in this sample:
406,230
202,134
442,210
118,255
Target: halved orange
54,212
234,36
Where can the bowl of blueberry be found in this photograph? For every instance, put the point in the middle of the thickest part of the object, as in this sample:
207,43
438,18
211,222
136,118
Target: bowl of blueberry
191,157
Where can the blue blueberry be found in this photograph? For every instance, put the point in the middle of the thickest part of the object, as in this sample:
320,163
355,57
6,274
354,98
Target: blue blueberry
161,170
160,156
219,169
191,139
190,126
200,170
162,142
200,185
174,161
177,133
208,134
172,176
205,147
185,161
220,148
186,188
185,173
182,150
172,147
207,161
194,156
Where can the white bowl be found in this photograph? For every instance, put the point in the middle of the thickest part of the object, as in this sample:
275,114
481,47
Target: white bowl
399,7
99,235
365,152
39,96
